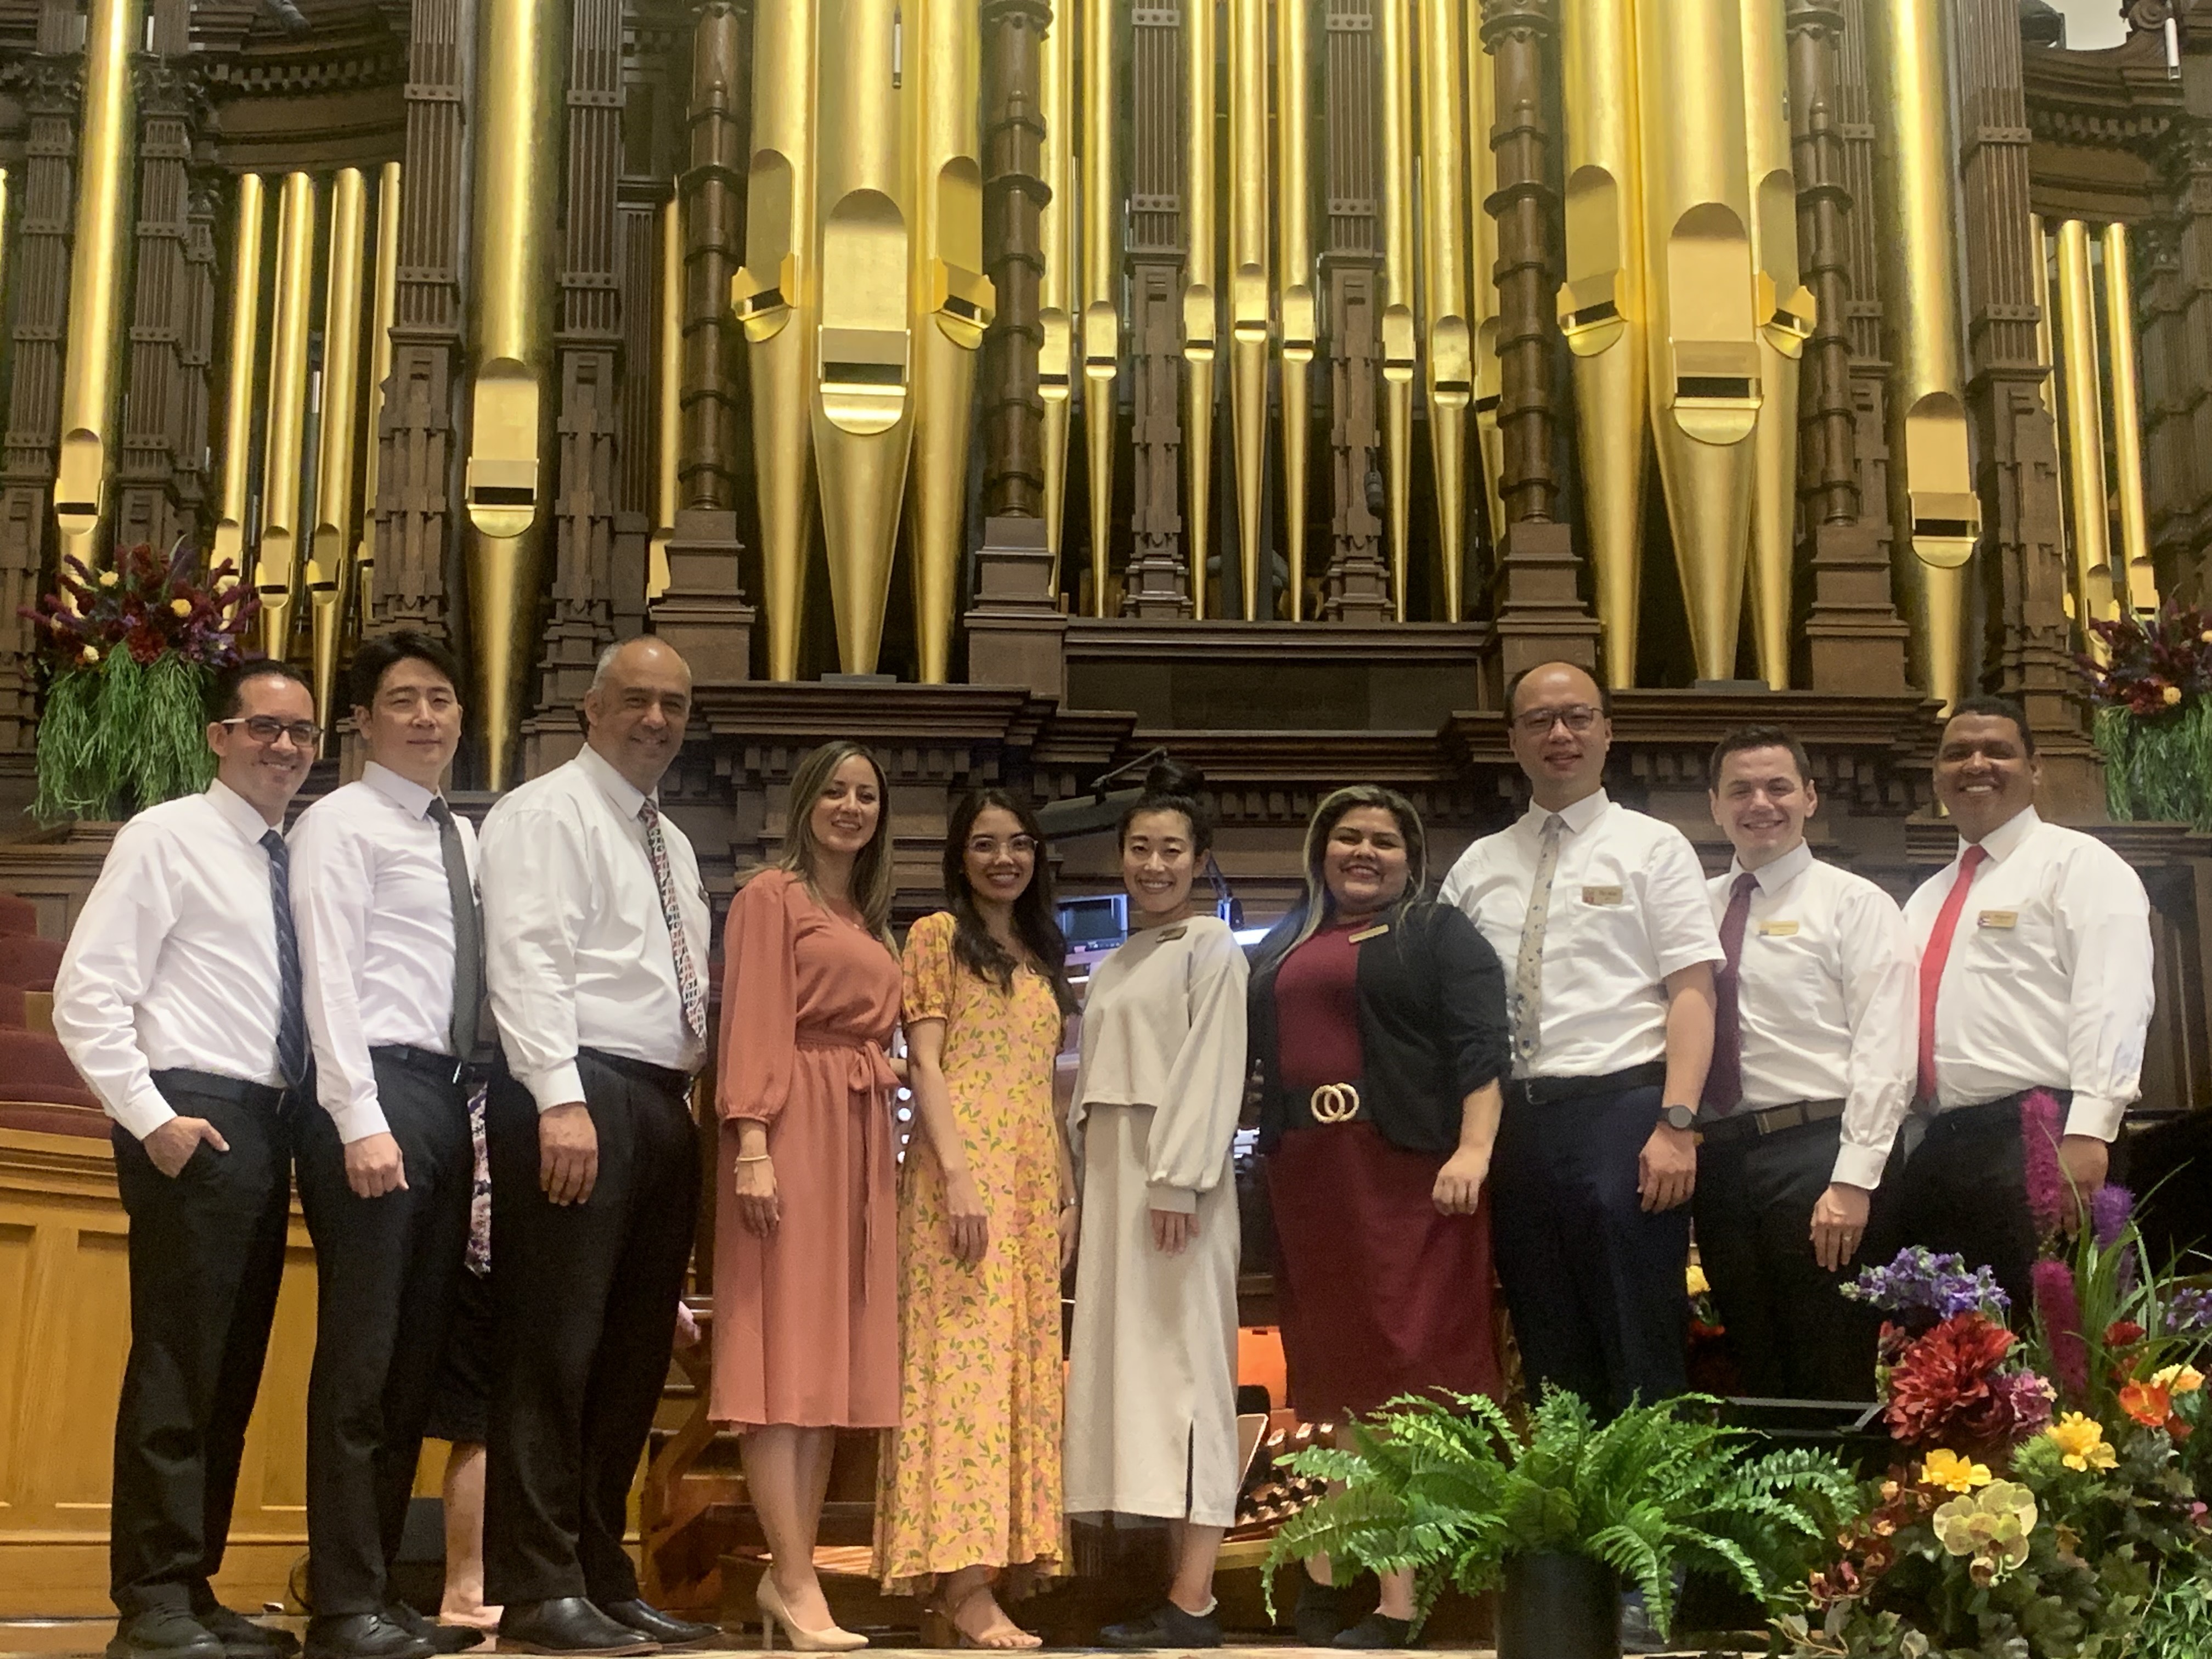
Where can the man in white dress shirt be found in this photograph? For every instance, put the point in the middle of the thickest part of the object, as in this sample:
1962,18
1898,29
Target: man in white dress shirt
383,892
178,999
2035,975
596,929
1601,916
1812,1075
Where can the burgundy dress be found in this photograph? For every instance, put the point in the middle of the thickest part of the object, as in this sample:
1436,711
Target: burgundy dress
1378,1294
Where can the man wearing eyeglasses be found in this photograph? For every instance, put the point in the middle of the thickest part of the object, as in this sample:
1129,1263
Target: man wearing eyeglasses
178,998
1601,916
384,890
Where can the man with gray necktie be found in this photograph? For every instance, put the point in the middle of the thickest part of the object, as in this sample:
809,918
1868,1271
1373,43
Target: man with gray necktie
384,890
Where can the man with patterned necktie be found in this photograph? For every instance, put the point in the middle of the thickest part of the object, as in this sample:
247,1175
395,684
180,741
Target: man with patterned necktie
2036,994
384,889
595,935
1600,915
1812,1074
178,998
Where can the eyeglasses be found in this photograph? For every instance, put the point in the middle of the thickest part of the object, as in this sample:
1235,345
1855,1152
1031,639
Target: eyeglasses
983,847
266,728
1577,718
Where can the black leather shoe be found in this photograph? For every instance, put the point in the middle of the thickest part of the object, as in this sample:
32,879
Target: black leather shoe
363,1635
1166,1626
1376,1630
164,1633
445,1638
242,1638
568,1625
1319,1616
664,1628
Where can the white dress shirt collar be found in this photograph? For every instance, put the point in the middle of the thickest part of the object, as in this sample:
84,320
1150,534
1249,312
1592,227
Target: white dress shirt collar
1778,874
626,795
240,813
2008,838
1578,817
404,792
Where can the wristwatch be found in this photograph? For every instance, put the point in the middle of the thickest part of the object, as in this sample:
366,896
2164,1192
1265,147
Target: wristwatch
1680,1117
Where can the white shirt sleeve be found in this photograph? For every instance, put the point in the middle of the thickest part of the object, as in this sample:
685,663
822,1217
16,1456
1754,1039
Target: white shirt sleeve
1882,1004
333,888
1678,912
535,881
1196,1118
107,966
2104,924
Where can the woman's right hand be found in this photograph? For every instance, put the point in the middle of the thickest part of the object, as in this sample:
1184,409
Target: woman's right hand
971,1228
759,1205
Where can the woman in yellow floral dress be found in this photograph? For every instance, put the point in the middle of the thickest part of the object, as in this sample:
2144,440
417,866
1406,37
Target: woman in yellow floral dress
970,1483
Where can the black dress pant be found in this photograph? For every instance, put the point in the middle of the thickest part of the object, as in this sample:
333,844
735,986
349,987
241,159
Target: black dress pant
586,1296
206,1255
385,1271
1964,1189
1597,1289
1791,1333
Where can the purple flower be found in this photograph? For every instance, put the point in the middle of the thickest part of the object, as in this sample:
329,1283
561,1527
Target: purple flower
1923,1289
2030,1398
2109,1210
2060,1308
2039,1141
2188,1309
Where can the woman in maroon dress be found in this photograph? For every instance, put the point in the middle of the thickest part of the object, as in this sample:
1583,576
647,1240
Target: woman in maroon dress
1378,1029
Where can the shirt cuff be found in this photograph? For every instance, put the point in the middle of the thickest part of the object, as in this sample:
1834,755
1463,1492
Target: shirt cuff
556,1085
2095,1116
1160,1196
358,1120
1859,1166
144,1110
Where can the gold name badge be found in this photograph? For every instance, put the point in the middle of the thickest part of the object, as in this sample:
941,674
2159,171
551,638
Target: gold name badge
1998,919
1175,932
1601,895
1366,933
1778,929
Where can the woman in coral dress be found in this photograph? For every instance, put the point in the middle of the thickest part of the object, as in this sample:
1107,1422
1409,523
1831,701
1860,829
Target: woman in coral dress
805,1280
971,1483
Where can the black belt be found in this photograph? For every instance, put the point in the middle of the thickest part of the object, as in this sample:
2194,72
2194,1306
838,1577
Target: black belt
1556,1090
429,1061
2000,1108
235,1089
1767,1121
641,1071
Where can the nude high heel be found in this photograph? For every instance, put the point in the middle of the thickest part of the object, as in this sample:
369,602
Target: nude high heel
834,1639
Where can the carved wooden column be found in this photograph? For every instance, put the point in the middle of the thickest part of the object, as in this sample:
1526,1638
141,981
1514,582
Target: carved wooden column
1538,604
417,544
196,354
48,81
1861,312
2022,553
1356,586
1855,639
2176,337
1158,583
1014,195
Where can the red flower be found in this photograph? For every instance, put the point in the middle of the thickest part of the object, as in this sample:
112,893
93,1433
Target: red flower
1942,1389
145,643
2149,1404
2122,1333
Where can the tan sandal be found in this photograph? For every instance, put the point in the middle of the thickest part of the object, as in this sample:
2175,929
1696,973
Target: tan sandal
1005,1637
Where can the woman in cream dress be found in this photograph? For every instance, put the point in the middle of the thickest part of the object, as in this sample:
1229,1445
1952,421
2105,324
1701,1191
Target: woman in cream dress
1152,1388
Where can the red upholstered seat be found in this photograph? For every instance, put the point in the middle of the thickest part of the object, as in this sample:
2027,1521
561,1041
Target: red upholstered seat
29,964
33,1069
18,915
11,1009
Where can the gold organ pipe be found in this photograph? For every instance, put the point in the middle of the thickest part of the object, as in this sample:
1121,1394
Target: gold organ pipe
2096,588
518,172
953,305
1101,284
1394,40
380,372
2047,345
2127,423
231,504
99,263
1201,293
330,546
1603,309
1248,280
776,298
1702,344
1784,310
863,403
1299,306
669,401
1482,290
1449,340
276,563
1056,305
1935,514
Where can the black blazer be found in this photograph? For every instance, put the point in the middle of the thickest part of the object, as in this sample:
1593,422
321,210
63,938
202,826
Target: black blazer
1432,1026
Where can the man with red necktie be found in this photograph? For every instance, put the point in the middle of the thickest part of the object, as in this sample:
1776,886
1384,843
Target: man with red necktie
1812,1076
2035,975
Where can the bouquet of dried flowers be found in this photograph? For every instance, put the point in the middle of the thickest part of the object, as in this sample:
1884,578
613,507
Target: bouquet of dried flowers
130,651
2151,688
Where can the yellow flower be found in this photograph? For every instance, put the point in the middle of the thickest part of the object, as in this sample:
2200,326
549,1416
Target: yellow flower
2171,696
90,653
1700,1285
181,607
2081,1441
1953,1473
108,579
2180,1379
1992,1526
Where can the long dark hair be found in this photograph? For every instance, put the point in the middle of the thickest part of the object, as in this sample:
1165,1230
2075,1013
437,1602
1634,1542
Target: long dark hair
1036,922
873,877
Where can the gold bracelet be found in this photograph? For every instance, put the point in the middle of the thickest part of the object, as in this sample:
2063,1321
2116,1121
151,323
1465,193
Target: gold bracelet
757,1158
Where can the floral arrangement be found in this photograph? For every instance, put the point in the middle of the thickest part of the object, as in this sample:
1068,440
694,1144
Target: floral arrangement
130,651
2150,685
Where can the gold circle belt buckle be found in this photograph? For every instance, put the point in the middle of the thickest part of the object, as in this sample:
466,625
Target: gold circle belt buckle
1334,1102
